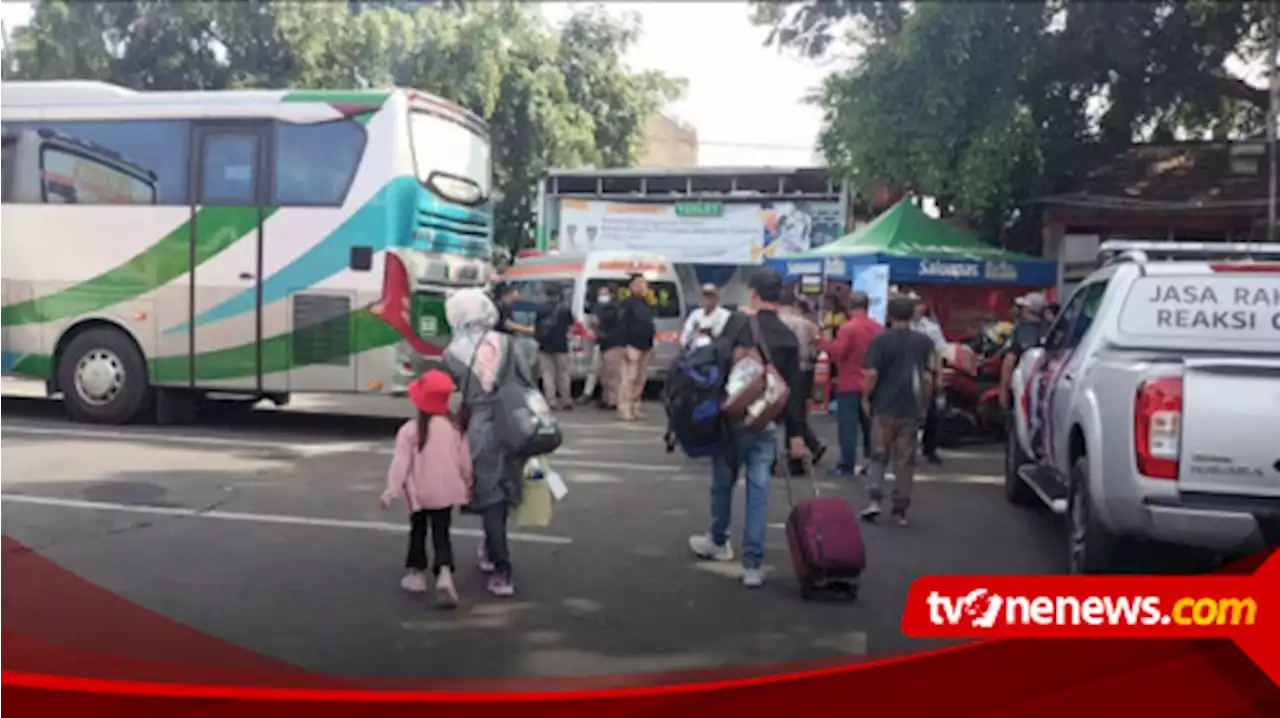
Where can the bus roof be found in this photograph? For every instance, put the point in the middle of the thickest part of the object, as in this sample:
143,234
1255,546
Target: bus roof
83,92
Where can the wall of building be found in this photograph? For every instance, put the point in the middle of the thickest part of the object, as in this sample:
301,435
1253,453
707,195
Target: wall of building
670,143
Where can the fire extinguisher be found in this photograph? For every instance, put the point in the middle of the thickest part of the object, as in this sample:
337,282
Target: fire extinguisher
821,378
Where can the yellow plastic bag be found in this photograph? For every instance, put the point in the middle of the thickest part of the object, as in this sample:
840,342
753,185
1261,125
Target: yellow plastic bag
534,510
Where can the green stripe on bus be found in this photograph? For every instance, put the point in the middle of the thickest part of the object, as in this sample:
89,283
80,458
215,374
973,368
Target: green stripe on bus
217,228
355,97
34,365
367,332
238,362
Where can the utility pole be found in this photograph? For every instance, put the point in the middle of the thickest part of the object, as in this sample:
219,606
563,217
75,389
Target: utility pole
1273,84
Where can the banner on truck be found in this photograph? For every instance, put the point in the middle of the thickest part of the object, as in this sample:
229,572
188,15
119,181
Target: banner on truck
697,232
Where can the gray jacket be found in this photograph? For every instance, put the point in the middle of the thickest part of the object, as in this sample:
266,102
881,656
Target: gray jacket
498,477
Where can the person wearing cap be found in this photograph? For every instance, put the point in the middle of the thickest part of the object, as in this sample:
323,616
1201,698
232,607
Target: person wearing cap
432,471
706,322
1027,332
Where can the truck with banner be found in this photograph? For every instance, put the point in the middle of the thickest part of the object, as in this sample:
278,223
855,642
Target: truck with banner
710,222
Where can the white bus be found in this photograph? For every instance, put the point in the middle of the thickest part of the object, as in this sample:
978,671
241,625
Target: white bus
233,245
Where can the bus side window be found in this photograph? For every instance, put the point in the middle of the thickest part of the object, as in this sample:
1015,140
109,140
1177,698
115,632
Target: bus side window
316,164
9,142
103,161
229,172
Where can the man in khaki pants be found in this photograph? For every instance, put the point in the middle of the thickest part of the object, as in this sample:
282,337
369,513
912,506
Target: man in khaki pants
637,330
607,359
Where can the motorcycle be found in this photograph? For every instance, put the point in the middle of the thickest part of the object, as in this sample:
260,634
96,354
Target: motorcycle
969,403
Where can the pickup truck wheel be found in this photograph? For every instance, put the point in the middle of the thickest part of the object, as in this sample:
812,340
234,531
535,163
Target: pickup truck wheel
1016,490
1090,546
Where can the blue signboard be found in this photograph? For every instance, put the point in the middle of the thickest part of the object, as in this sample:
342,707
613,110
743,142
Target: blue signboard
914,270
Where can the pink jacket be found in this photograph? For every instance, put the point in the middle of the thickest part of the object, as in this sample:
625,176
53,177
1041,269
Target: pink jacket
437,477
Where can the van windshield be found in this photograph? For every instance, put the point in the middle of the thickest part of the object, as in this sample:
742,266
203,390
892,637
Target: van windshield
664,297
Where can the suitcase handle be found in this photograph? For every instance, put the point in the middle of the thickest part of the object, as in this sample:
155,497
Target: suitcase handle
782,466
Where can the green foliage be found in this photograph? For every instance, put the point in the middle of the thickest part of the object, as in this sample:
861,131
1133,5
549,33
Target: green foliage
553,99
987,105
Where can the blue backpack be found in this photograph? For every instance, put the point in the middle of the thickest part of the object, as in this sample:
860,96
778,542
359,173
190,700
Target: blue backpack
692,393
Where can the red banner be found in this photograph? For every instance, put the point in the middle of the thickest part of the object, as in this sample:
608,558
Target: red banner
1244,609
73,648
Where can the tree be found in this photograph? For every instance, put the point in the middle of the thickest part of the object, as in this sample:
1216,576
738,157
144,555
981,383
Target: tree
552,99
987,105
592,46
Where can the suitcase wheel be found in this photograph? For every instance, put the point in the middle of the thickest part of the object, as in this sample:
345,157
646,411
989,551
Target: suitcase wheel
808,591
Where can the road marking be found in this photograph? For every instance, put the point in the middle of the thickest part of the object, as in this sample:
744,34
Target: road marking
618,466
309,449
260,518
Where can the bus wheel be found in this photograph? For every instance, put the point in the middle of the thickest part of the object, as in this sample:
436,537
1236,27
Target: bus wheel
103,377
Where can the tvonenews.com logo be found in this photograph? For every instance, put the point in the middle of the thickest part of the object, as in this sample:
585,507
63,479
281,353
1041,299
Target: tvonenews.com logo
981,608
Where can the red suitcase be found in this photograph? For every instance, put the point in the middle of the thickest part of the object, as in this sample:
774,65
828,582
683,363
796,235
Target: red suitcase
826,542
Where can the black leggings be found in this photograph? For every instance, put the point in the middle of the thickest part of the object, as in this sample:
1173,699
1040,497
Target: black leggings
441,545
494,519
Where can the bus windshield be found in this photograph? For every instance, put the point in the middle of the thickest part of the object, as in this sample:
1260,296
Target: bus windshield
450,151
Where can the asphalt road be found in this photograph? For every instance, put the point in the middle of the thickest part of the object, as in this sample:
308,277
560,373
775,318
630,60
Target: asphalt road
264,530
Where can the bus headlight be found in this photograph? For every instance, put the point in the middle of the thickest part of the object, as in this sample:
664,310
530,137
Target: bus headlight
454,188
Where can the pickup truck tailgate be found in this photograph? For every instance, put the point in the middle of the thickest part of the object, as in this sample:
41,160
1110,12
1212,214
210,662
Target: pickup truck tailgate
1231,427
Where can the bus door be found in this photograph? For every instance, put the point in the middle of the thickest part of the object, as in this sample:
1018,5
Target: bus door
231,188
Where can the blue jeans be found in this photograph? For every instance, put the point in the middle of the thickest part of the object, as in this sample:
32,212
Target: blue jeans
756,451
848,411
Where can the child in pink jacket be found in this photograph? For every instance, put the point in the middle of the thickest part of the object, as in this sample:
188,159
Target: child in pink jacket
432,470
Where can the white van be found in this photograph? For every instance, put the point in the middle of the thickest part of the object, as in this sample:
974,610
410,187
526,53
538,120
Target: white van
580,276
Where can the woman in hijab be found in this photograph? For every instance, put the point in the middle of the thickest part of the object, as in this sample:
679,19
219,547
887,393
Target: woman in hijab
474,359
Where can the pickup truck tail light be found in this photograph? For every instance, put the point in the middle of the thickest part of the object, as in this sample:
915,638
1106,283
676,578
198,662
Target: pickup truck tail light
1157,427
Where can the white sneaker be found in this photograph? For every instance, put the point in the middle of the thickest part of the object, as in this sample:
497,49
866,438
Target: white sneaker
703,547
486,565
753,577
501,586
446,593
414,581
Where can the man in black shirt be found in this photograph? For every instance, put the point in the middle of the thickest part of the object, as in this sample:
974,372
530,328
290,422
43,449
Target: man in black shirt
755,450
507,296
636,330
552,332
900,366
606,360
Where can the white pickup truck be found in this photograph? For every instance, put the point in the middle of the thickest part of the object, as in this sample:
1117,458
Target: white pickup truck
1150,412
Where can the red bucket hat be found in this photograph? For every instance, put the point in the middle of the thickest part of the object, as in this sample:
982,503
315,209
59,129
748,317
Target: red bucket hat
430,392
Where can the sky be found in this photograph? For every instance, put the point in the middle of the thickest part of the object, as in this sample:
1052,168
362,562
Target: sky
743,99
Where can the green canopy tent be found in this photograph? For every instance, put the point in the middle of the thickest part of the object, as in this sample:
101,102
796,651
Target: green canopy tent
918,248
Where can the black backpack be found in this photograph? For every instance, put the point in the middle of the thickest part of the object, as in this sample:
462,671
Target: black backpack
692,393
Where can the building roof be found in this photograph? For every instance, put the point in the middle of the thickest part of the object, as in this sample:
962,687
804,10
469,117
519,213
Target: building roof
1191,176
594,172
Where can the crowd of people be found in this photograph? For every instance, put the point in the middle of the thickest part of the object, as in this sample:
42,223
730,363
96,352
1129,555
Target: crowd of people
885,381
